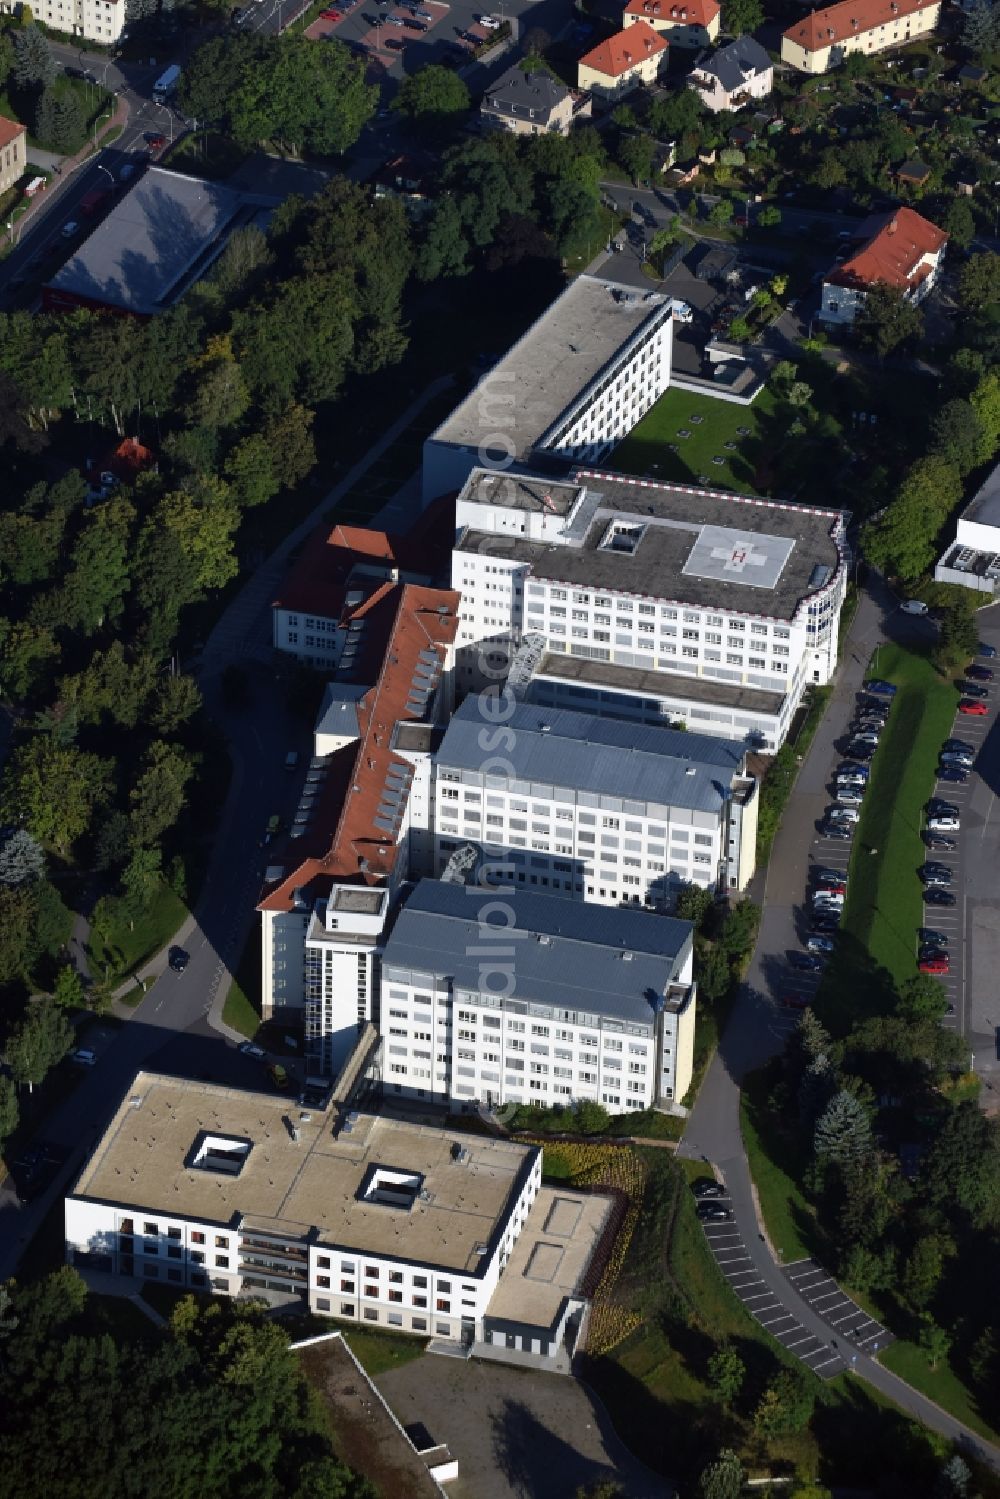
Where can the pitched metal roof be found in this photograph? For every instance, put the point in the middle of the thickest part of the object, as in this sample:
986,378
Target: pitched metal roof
735,64
607,756
525,93
578,964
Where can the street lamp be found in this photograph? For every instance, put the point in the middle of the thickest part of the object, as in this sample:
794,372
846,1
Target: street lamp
106,115
107,172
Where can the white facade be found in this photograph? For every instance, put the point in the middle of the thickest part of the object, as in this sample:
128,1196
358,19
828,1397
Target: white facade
824,38
341,973
576,383
97,20
510,589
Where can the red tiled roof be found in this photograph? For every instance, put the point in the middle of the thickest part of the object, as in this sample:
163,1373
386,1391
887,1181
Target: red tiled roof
345,843
625,50
893,254
9,131
825,28
688,13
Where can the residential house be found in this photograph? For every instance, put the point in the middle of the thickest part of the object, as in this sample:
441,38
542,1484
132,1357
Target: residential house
634,56
693,24
96,20
913,173
823,38
900,249
731,76
13,156
528,102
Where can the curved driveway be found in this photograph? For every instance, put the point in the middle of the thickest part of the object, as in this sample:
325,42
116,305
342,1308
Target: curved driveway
756,1031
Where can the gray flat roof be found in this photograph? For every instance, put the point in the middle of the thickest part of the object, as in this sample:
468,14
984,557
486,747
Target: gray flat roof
640,679
579,967
697,546
605,756
160,237
547,369
984,507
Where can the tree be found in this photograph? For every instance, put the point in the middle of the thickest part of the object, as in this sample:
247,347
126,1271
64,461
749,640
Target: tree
957,435
28,653
176,700
714,973
141,879
981,28
922,998
957,637
158,795
446,248
934,1342
726,1373
843,1131
98,578
695,904
635,152
39,1042
742,17
904,539
55,789
34,64
886,320
786,1405
111,846
8,1124
306,96
59,120
953,1480
590,1118
769,216
68,991
924,1268
250,471
960,222
21,859
962,1170
433,98
721,212
203,519
723,1478
978,282
985,402
739,930
18,909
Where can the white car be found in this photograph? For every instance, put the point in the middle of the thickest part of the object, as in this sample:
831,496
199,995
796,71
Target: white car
827,898
914,606
843,814
489,23
84,1057
943,825
68,230
250,1050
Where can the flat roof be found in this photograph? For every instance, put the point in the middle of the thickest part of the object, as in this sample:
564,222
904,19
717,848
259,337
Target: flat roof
566,954
603,756
547,369
639,679
304,1187
551,1256
984,507
158,238
731,552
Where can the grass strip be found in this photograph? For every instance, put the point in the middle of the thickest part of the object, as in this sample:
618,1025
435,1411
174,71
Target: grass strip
775,1165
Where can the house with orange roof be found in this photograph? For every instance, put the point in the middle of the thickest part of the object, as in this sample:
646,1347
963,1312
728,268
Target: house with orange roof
900,249
695,23
13,152
329,889
632,57
823,38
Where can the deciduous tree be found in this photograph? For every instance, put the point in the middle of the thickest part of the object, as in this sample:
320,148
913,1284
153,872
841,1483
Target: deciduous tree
726,1373
886,320
55,789
157,798
39,1042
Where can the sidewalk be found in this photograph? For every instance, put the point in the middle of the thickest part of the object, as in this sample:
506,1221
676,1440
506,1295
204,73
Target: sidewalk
65,166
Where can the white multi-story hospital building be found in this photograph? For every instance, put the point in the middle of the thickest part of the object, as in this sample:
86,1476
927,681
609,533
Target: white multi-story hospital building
646,600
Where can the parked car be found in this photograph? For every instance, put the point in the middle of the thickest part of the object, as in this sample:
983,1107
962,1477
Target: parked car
818,943
795,1001
939,843
861,751
944,824
979,673
964,758
973,710
880,688
843,814
934,875
931,950
973,689
830,886
83,1057
989,651
848,796
250,1049
824,872
927,934
838,831
713,1212
805,962
935,896
937,807
825,924
708,1187
956,774
934,965
958,746
178,959
913,606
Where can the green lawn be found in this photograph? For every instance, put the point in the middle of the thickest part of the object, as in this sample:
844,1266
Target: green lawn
940,1384
646,450
242,1007
118,946
378,1351
774,1164
884,908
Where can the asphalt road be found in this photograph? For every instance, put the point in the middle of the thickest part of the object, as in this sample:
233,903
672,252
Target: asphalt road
758,1026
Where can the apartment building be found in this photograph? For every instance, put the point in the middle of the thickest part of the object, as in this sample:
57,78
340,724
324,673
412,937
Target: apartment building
527,101
689,604
13,156
576,383
899,249
519,997
100,21
363,817
694,24
594,809
634,56
363,1219
823,38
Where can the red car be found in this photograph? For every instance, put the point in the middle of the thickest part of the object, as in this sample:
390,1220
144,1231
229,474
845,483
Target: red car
330,15
831,887
973,708
934,965
156,141
796,1001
